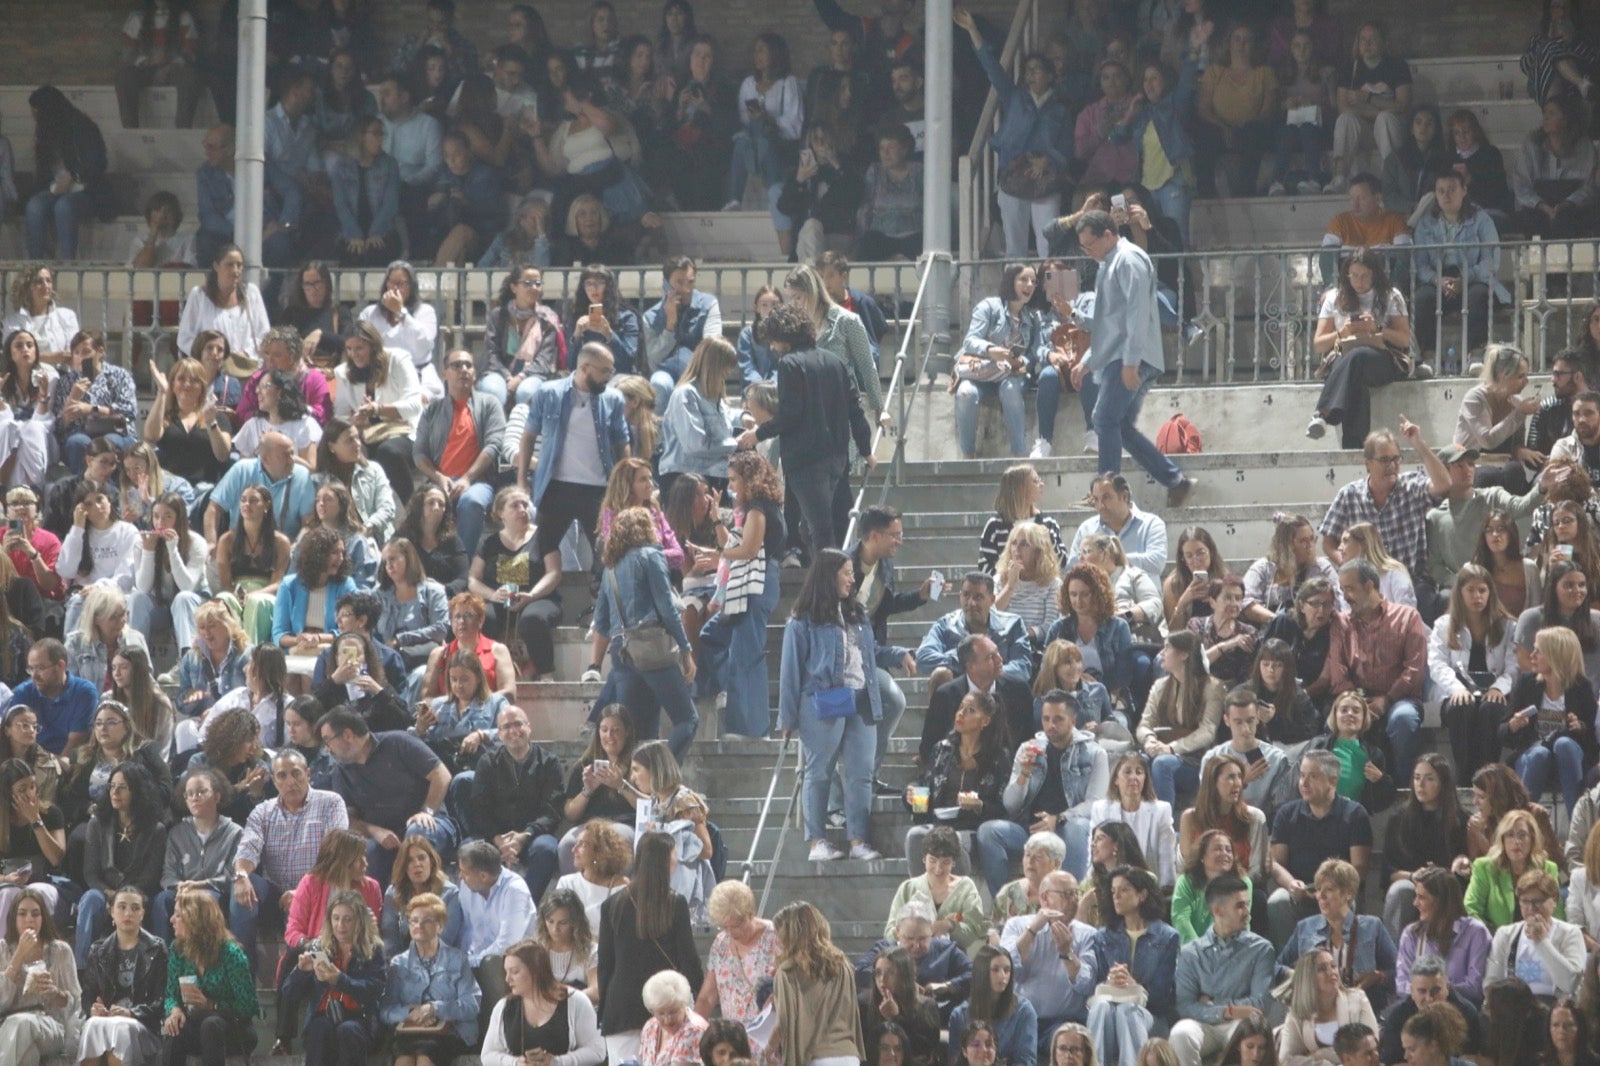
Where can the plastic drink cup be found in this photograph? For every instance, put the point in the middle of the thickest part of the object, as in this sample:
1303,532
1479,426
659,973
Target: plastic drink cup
919,799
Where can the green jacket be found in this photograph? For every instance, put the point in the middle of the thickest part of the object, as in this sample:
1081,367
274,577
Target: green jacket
1492,897
1190,915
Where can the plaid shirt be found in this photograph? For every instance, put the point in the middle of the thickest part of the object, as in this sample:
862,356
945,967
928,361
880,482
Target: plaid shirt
284,846
1402,521
112,387
1384,655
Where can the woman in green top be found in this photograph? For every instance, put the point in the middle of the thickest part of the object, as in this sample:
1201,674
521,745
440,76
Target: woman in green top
1213,858
1517,848
1363,768
211,994
958,909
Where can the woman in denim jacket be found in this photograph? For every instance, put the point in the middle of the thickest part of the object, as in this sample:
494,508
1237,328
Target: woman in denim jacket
1168,174
827,645
1001,327
637,575
1035,124
1089,619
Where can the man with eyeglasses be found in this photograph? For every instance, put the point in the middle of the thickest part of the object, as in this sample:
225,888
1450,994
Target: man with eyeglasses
1553,420
1053,956
63,703
458,441
676,325
581,424
1396,504
1224,975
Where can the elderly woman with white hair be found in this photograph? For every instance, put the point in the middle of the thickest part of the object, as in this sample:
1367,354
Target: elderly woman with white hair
744,955
674,1030
1041,853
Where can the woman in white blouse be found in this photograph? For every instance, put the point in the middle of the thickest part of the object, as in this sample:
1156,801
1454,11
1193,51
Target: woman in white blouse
376,390
1583,893
407,324
513,1035
1472,661
282,410
226,304
1132,799
33,299
1361,328
1493,416
772,111
1543,950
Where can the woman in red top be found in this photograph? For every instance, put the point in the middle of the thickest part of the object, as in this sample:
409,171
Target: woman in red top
467,614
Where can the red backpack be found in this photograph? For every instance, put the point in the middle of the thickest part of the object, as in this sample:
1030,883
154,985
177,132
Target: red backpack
1178,436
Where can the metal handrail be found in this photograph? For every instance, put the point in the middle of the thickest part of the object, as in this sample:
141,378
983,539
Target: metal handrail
761,821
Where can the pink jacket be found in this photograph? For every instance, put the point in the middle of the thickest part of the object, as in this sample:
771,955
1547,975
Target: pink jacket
310,907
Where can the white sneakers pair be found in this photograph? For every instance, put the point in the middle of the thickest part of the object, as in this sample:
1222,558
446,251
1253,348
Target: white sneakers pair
824,851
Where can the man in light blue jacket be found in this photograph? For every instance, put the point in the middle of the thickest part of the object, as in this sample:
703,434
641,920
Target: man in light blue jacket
936,655
1125,356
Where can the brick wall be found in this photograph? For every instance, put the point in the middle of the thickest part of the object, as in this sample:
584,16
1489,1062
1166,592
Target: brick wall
74,41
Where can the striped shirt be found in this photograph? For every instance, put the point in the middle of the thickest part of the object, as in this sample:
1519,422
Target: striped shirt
282,844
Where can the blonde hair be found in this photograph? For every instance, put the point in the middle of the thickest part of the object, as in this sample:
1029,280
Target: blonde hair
367,942
1591,854
215,612
730,900
805,942
1010,502
1500,361
1303,986
1340,874
1111,545
98,602
646,424
1056,653
1351,697
713,360
1365,534
1559,645
1047,566
1537,856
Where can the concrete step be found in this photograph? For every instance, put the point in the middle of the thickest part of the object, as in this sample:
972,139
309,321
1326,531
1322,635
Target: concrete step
158,110
1444,81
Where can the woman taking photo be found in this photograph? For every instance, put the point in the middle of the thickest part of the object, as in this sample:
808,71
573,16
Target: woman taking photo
39,989
814,991
1428,832
252,560
124,982
416,618
1228,642
1006,340
968,770
1517,849
562,928
407,324
540,1019
1136,951
303,611
227,305
516,583
597,314
1319,1002
430,525
827,695
733,642
1443,929
1186,706
339,984
417,871
1188,592
430,998
356,679
894,996
183,424
635,589
126,845
1548,729
698,429
744,955
1473,666
1131,800
596,785
1213,858
1364,337
644,929
342,461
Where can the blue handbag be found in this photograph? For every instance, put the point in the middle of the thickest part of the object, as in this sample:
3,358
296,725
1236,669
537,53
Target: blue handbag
834,703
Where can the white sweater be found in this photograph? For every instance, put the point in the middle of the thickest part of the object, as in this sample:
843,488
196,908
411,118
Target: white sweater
583,1034
1152,825
188,568
114,553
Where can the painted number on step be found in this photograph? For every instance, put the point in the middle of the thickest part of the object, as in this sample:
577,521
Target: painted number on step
1267,399
1449,394
1174,403
1229,529
1238,475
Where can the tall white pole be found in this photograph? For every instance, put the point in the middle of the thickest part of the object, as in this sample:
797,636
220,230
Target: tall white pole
249,175
938,156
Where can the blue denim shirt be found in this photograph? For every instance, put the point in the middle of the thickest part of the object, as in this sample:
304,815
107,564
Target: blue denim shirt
938,648
641,580
1375,949
396,933
195,673
813,658
701,319
757,361
1154,965
451,989
1085,776
383,195
1476,250
1026,126
1235,971
1169,114
1113,640
547,416
991,325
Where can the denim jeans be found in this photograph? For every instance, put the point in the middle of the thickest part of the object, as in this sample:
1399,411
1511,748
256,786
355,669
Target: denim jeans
1119,1031
1115,422
1000,842
667,372
1010,391
850,741
1170,774
1174,199
646,693
494,385
1403,726
77,448
63,213
733,659
94,920
755,151
147,615
814,486
472,508
892,702
242,921
1564,758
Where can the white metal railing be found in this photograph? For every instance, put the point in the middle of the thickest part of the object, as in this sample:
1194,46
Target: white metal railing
975,168
1243,315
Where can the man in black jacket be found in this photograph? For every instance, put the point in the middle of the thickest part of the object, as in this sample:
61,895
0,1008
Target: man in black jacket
1429,984
981,666
819,411
517,795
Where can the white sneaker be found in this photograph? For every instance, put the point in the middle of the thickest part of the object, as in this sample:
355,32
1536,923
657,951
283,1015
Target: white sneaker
168,679
1277,189
792,560
1337,185
865,852
1041,449
733,205
1316,427
590,676
823,851
1091,442
1308,188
